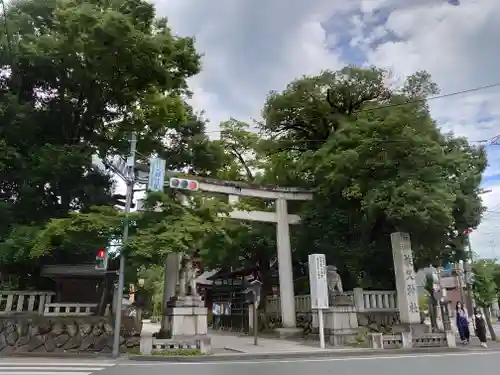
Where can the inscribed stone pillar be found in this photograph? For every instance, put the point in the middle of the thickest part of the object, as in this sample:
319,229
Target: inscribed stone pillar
405,278
171,279
287,296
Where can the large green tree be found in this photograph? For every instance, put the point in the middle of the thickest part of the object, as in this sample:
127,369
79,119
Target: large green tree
378,164
78,77
165,225
485,289
174,223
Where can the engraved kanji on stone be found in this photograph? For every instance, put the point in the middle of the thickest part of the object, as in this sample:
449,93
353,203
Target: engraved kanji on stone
413,307
409,274
408,259
411,289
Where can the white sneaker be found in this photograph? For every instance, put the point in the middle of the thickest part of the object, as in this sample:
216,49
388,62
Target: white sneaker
483,344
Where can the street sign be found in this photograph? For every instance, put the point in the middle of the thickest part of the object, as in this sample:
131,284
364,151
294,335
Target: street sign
156,174
253,292
318,282
253,297
319,290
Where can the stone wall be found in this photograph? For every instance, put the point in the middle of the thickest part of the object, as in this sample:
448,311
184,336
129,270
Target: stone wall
380,321
42,334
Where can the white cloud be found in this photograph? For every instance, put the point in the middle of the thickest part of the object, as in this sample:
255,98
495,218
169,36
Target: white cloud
252,47
457,46
486,240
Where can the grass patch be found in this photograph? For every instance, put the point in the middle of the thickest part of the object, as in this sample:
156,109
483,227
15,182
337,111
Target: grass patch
359,341
171,353
179,352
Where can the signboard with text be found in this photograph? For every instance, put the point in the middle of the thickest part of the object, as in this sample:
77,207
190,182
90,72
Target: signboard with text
156,174
318,281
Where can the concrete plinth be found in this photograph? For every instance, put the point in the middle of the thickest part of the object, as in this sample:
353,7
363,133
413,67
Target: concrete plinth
340,324
289,332
186,316
185,301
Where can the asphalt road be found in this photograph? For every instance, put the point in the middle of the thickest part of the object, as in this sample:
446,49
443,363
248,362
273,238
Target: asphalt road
443,364
41,366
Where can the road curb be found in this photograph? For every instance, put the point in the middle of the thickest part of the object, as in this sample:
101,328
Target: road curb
97,356
237,356
343,353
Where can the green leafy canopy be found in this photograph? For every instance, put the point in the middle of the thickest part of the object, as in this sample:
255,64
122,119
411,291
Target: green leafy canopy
79,76
484,286
378,164
171,223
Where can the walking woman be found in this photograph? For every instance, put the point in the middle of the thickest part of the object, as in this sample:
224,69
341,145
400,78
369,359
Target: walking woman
480,326
462,323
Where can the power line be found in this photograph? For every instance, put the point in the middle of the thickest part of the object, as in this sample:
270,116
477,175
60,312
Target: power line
456,93
298,141
380,107
421,100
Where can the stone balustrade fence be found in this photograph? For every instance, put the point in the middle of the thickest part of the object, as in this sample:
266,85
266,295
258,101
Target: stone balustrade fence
72,309
40,302
375,300
364,301
18,301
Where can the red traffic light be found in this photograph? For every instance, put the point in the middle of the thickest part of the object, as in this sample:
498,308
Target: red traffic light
184,184
101,254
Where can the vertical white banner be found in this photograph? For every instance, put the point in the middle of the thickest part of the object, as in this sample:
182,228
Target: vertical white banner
318,281
156,174
319,290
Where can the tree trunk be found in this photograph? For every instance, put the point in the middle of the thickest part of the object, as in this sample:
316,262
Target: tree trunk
102,302
487,316
433,313
106,295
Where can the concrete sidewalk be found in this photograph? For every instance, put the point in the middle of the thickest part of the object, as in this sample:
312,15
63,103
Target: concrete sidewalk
234,344
245,344
227,342
228,346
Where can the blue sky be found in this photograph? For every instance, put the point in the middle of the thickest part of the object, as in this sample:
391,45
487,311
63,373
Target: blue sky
252,47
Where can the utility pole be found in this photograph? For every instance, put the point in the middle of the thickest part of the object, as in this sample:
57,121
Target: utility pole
459,270
129,180
468,278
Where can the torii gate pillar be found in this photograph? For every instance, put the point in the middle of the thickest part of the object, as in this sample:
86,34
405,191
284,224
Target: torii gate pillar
287,293
280,217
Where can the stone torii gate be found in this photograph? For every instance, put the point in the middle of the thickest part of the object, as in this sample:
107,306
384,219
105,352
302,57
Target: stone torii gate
283,221
281,217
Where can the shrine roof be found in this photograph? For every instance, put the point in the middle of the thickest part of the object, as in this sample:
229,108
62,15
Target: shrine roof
72,270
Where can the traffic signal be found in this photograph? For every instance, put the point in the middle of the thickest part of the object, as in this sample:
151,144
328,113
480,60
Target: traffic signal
101,260
119,200
184,184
